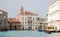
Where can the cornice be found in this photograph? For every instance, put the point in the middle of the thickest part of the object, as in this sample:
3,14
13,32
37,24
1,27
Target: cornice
53,2
53,12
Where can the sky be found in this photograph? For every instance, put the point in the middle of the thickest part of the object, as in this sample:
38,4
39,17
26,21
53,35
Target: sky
12,7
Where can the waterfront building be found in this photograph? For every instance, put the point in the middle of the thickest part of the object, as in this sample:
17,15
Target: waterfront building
28,20
41,22
14,24
54,14
3,20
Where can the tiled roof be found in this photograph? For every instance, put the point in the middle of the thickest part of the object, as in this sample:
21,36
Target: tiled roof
11,20
28,13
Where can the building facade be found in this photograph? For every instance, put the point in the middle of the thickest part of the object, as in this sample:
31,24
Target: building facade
3,20
14,24
28,20
42,23
54,14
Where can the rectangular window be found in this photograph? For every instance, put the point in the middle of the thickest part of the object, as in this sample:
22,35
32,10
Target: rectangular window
29,17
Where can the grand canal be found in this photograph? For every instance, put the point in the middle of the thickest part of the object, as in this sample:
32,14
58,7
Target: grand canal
22,34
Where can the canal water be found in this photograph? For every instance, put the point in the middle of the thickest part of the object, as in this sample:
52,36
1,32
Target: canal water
22,34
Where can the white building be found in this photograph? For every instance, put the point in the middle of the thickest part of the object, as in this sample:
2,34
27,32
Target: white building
28,19
42,23
54,14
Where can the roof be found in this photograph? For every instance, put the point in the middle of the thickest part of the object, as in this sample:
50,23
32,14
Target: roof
11,20
28,13
41,19
2,11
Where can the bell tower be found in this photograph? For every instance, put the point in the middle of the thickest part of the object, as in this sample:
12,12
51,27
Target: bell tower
21,9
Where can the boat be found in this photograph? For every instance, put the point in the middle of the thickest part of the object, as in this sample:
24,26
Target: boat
50,29
40,29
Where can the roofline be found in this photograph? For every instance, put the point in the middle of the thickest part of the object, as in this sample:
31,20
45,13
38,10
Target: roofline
3,11
53,2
